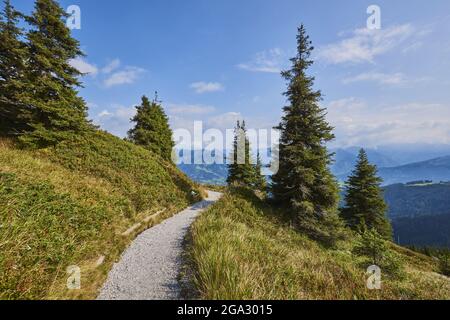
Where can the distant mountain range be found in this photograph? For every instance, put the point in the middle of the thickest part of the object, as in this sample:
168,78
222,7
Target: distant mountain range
215,174
435,170
391,167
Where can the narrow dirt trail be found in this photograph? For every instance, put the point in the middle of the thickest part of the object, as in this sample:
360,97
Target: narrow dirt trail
149,268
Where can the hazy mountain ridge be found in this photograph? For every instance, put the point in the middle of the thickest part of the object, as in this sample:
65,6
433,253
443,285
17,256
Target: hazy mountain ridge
435,170
206,174
392,167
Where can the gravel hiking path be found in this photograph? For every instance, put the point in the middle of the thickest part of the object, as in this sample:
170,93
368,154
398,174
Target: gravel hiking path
149,268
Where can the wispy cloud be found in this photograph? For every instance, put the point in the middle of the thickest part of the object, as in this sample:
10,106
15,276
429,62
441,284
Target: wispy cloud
357,122
381,78
126,76
84,66
205,87
346,104
115,119
388,79
110,67
364,45
104,113
224,121
270,61
413,47
111,74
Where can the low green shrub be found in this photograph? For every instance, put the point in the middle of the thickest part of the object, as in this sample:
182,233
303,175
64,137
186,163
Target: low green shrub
376,251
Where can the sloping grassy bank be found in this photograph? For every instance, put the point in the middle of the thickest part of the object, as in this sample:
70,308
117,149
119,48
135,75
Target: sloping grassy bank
240,249
69,205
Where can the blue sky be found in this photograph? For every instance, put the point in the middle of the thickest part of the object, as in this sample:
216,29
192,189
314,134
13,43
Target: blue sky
219,60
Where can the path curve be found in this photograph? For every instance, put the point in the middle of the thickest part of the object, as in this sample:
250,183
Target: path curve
149,268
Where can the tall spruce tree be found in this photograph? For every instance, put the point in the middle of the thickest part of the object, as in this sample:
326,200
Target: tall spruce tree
233,165
240,170
55,111
152,130
12,71
303,182
365,207
259,182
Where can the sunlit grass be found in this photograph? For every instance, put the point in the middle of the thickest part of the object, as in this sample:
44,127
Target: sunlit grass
241,249
69,205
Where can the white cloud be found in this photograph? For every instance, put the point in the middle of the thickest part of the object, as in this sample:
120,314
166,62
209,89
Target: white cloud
104,113
188,109
270,61
381,78
111,75
365,45
113,65
184,116
116,119
390,79
346,105
126,76
83,66
358,123
204,87
91,105
224,121
413,47
221,122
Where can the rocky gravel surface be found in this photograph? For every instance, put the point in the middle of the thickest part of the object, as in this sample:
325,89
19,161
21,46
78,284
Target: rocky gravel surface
149,268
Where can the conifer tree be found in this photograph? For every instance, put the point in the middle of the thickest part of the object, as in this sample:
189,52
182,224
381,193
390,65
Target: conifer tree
12,68
233,165
240,170
365,207
152,130
260,182
56,112
303,182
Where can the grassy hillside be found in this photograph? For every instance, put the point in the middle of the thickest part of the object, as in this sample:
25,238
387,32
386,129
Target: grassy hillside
240,249
70,205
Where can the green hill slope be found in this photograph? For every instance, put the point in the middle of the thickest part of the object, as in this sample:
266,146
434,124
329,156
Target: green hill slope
71,204
240,249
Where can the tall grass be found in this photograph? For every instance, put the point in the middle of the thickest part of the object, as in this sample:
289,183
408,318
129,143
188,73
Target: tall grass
70,204
241,249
